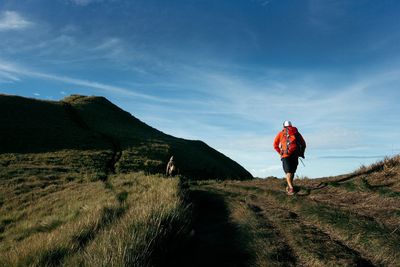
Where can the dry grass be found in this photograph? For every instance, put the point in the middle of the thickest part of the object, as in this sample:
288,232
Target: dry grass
89,223
387,165
154,215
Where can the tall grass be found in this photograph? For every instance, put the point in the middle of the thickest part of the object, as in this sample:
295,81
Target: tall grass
386,165
88,224
155,215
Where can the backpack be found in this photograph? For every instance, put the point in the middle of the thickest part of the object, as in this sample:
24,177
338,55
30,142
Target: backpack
291,142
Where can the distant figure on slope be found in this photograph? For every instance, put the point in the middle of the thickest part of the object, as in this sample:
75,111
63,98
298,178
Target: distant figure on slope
290,145
171,168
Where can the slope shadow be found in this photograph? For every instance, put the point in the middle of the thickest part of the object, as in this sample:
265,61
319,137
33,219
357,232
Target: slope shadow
215,240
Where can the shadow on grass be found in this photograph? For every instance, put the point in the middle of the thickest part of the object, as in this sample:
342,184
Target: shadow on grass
215,240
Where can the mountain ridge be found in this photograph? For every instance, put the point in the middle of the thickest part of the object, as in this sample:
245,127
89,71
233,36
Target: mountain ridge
94,123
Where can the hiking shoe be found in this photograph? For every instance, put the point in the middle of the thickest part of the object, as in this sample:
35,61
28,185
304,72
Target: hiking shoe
290,191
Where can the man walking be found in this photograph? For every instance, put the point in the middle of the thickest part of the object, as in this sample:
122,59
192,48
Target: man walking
290,145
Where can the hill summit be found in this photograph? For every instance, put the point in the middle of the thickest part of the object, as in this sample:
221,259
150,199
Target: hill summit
121,142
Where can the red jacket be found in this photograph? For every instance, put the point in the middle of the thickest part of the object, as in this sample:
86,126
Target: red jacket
280,142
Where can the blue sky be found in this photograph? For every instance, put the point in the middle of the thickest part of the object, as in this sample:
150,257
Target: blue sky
227,72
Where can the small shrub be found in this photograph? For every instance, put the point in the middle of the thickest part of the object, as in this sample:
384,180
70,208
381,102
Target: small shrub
333,183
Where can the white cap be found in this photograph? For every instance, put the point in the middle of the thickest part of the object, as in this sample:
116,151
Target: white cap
287,123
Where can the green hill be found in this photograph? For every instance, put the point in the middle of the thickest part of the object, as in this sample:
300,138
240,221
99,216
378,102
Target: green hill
92,133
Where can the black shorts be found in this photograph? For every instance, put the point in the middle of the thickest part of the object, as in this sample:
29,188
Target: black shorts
290,163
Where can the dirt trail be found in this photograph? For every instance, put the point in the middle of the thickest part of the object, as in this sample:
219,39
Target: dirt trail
275,234
311,245
216,241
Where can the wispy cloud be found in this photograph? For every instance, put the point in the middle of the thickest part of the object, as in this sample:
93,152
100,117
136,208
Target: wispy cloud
84,2
11,20
13,71
335,120
263,3
7,77
274,100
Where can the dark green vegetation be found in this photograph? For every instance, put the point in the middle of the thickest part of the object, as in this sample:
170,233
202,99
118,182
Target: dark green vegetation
113,139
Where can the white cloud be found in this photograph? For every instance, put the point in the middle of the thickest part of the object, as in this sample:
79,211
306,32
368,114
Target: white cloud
17,70
11,20
107,44
36,94
334,117
84,2
7,77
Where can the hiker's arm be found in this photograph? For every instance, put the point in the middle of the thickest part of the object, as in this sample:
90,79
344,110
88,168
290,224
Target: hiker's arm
277,142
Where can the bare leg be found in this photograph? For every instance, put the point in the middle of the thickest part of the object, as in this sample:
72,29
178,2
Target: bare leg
289,179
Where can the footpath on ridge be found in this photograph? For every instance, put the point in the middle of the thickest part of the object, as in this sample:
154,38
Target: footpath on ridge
254,223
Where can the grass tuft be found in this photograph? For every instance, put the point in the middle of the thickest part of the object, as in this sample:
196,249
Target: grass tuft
365,186
122,196
386,192
52,257
333,183
349,186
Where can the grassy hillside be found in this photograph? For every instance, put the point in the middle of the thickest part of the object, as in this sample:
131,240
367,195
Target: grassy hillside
93,124
29,125
75,190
